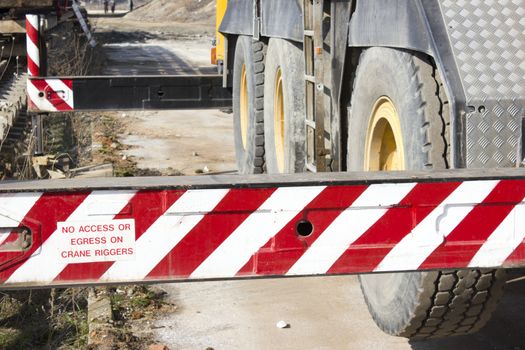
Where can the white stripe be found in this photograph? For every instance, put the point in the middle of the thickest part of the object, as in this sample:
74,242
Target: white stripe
45,263
58,85
13,209
282,206
348,227
503,241
415,247
165,234
33,20
33,52
40,102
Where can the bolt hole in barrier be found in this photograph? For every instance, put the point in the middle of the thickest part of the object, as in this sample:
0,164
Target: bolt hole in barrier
304,228
160,93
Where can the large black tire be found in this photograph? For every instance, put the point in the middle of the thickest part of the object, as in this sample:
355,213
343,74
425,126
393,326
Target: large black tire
284,63
427,304
248,114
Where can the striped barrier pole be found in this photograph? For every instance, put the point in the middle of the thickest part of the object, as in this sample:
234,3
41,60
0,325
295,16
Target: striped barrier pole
43,94
34,70
33,47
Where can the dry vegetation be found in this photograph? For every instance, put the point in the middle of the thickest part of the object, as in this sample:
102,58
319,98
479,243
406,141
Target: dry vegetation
43,319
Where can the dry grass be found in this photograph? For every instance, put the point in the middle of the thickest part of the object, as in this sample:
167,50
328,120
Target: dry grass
43,319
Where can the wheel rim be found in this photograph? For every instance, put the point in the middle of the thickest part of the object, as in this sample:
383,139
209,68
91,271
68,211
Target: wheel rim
384,151
278,124
384,141
244,113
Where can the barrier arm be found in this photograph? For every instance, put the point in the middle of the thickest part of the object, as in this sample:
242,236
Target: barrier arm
97,231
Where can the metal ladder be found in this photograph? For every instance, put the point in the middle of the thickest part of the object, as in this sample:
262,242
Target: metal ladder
316,152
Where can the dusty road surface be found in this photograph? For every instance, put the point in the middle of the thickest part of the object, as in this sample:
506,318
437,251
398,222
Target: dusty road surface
186,142
323,313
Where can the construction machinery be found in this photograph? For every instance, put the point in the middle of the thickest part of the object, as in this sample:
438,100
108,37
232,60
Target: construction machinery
388,85
322,89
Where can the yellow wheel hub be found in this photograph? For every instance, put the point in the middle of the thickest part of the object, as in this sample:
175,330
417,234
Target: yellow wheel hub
244,112
384,140
278,124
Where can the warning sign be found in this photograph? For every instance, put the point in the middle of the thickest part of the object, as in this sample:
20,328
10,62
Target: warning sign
110,240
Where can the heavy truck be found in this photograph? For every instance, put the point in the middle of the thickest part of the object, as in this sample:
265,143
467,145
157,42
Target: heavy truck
380,108
382,85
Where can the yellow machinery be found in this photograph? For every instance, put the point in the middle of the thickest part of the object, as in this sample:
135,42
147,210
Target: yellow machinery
217,55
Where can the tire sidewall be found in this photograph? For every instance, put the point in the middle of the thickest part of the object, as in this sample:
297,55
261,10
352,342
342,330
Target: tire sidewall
286,56
244,56
385,72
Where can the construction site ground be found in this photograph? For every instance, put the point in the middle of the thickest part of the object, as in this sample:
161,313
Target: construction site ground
319,313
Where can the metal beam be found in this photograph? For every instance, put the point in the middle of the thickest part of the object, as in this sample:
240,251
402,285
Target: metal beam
215,227
128,93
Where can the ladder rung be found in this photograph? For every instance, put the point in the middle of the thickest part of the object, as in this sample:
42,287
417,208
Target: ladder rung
309,33
309,78
310,123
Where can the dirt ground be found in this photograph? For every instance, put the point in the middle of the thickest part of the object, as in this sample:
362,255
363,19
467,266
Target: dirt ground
168,141
187,148
322,313
184,142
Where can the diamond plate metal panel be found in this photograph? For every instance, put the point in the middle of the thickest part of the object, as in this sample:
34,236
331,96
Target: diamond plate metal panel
494,135
488,41
487,37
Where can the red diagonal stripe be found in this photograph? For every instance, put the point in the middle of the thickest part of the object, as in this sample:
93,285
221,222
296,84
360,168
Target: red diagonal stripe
32,67
517,257
32,33
210,232
42,219
371,248
68,83
51,95
465,240
145,207
279,254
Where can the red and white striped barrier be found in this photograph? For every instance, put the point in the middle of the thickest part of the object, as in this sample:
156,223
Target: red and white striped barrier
33,54
166,235
32,44
49,95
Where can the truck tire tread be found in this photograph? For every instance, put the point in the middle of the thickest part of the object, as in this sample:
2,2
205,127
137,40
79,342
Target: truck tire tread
472,297
436,304
259,56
